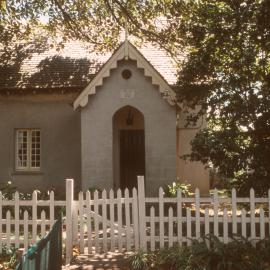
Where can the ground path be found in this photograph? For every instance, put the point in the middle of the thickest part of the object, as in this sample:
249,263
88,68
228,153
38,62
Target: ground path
108,261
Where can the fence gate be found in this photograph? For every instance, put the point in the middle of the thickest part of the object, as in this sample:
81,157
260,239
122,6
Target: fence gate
103,221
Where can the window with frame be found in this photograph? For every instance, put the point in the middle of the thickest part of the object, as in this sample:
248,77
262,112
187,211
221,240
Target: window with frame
28,149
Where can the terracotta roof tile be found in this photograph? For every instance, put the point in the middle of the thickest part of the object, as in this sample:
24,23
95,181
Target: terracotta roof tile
74,65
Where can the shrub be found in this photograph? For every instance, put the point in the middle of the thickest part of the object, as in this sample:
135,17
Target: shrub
173,258
207,253
93,189
171,189
8,258
140,261
7,190
210,253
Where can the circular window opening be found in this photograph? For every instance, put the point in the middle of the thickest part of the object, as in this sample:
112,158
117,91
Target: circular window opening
126,74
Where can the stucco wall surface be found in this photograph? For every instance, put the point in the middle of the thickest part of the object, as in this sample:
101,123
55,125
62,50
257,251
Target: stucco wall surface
193,173
60,142
97,129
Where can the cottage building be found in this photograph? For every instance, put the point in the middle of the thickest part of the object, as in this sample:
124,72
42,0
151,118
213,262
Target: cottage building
100,119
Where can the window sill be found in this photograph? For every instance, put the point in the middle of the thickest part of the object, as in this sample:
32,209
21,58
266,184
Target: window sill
27,173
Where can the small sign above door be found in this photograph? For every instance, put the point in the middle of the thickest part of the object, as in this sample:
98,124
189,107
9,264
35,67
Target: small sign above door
127,93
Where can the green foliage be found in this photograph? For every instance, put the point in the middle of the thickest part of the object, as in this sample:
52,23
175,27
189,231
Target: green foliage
171,189
211,253
93,189
8,258
22,20
227,71
173,258
7,190
207,253
140,260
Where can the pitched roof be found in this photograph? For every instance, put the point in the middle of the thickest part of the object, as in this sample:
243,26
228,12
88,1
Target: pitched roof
126,51
75,65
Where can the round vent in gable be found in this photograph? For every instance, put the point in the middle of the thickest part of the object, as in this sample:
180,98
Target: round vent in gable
126,74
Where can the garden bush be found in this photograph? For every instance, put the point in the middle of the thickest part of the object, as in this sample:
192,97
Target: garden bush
170,190
207,253
8,258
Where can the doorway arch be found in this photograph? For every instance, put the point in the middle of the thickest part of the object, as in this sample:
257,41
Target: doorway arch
128,147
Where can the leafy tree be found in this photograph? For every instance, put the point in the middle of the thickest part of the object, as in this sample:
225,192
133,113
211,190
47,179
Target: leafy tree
97,22
222,48
227,70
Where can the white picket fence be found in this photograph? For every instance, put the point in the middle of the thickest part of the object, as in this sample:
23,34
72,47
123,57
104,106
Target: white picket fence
124,221
24,222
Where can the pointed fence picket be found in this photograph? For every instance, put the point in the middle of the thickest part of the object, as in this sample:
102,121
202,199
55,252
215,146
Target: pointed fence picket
225,226
206,221
16,219
188,224
104,220
244,223
161,218
8,225
112,231
216,206
127,217
152,228
262,224
170,225
96,221
129,220
34,220
43,224
234,209
135,219
25,228
88,220
179,217
81,220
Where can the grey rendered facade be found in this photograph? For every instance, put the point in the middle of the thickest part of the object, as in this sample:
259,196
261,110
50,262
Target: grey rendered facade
97,124
60,140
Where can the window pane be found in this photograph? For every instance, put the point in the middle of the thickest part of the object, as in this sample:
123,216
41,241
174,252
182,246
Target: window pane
35,151
21,149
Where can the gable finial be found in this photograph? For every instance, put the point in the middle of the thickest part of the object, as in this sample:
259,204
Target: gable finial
126,38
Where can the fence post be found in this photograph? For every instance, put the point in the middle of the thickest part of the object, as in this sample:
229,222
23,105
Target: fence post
141,210
69,218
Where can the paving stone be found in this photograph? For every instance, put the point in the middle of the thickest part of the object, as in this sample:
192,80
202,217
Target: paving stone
108,261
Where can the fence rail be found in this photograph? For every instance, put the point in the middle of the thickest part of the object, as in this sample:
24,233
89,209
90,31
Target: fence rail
129,220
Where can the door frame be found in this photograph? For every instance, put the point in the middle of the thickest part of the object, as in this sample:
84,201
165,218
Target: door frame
117,125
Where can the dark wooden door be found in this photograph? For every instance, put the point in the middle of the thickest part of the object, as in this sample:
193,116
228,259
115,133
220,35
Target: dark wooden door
132,157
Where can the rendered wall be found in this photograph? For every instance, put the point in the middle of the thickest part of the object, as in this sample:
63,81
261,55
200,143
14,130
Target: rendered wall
190,172
97,129
60,141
